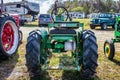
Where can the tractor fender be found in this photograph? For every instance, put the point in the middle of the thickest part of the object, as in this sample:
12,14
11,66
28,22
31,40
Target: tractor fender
42,33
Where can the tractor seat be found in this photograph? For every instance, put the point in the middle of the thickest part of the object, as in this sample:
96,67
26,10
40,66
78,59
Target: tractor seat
62,31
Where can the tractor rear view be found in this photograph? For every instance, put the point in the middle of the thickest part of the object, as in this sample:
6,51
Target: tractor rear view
62,35
109,48
9,34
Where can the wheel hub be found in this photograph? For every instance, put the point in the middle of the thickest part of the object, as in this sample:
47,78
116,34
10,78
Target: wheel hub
107,49
7,37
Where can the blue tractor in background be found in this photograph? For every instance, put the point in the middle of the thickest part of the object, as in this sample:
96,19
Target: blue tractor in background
103,20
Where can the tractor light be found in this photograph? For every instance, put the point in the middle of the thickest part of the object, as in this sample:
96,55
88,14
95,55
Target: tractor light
70,45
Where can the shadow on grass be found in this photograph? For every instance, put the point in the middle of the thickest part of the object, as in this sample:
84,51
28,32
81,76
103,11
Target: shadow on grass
7,66
42,76
74,75
116,62
71,74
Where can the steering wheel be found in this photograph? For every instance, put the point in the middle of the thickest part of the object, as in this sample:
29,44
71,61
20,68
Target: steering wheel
60,11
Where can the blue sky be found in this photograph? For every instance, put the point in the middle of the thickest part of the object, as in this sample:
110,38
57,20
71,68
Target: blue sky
45,5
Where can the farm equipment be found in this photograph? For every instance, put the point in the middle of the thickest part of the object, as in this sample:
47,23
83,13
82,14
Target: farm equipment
11,36
62,36
104,20
109,48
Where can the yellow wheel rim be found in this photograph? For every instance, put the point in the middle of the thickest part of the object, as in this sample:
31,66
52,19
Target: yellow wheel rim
107,49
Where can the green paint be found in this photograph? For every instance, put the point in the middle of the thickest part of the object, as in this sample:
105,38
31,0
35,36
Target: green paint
66,24
59,18
117,30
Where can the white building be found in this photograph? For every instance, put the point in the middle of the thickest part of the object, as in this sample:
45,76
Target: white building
93,15
77,14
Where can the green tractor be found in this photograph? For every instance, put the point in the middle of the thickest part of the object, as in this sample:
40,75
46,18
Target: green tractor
109,48
61,36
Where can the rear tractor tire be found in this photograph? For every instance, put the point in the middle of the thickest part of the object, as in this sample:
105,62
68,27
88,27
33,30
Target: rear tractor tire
90,55
9,36
33,54
109,49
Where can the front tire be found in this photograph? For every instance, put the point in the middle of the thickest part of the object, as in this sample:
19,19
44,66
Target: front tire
22,23
9,36
113,26
104,26
90,55
109,49
33,54
20,37
92,26
40,25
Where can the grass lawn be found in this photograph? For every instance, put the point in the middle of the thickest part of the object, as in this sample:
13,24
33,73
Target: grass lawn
85,21
32,24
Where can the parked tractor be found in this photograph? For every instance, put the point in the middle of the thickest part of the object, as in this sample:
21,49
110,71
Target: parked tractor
104,20
109,48
62,36
10,35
